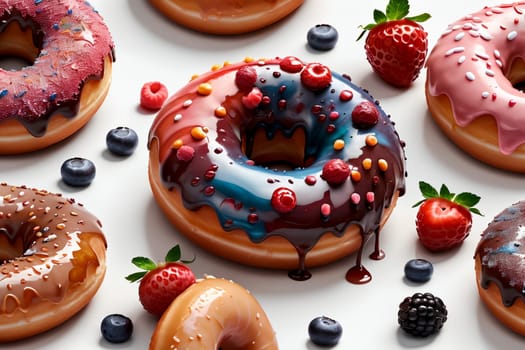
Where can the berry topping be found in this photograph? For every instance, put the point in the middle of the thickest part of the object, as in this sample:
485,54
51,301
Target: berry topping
322,37
365,115
153,95
444,219
422,314
122,141
418,270
116,328
396,46
78,172
291,64
185,153
245,78
161,283
252,99
316,76
335,172
283,200
324,331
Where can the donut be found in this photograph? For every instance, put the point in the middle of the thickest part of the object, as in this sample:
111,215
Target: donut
482,54
500,271
214,313
276,163
226,17
52,260
69,52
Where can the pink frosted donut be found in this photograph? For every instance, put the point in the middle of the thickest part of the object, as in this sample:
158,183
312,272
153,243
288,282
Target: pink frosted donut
473,82
69,51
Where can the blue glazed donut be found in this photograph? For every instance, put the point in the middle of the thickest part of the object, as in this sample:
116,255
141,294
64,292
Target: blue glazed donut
276,151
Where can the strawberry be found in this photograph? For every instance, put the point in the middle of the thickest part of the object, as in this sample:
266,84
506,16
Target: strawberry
396,45
161,283
444,219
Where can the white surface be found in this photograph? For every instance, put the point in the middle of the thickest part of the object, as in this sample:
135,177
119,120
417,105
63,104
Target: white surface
149,47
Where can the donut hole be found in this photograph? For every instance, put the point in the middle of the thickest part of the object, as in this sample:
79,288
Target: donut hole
11,249
281,150
516,74
18,48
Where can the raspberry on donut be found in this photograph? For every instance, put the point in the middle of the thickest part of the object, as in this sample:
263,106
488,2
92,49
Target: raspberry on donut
300,168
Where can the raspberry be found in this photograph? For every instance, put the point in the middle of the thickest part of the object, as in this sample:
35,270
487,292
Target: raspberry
316,76
252,99
153,95
245,78
422,314
283,200
335,172
365,115
291,64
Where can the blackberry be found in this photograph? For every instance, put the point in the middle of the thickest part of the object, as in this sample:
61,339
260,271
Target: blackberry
422,314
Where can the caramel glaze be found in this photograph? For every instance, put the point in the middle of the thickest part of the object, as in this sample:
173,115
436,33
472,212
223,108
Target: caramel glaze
501,252
222,175
71,42
45,248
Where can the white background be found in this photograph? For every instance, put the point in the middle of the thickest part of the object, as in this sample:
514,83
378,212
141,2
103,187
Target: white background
149,47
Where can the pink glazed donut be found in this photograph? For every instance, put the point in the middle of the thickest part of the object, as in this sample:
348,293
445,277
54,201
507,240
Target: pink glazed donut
473,81
69,52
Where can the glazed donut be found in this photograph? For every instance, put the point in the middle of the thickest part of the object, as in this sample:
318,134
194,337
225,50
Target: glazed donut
214,313
69,52
500,273
262,160
52,260
226,16
482,54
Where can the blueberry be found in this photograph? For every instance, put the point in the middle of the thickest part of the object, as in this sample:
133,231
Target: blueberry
78,172
116,328
122,141
418,270
324,331
322,37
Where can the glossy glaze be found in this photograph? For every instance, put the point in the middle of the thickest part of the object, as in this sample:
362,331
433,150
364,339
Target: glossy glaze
501,251
45,248
476,54
71,43
224,166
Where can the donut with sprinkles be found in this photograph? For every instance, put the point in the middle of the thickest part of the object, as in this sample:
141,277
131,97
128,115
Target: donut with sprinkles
276,163
69,55
475,75
52,260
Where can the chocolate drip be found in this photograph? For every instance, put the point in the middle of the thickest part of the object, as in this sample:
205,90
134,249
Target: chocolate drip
502,251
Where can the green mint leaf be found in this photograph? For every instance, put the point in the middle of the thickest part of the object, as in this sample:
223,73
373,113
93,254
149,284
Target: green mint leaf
379,16
397,9
134,277
144,263
419,18
427,190
173,254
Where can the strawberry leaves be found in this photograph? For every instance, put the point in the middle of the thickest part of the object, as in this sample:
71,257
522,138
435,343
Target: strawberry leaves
465,199
146,264
395,10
